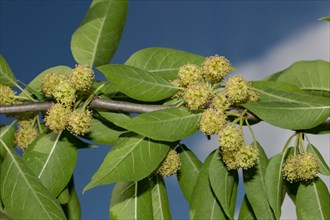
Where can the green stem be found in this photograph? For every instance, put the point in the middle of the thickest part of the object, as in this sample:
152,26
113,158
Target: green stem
251,132
287,144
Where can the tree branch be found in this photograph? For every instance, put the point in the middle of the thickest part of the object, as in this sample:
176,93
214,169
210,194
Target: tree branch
112,105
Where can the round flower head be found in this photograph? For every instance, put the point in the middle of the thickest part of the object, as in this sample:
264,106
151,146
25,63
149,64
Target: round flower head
289,171
307,166
64,93
189,73
237,89
220,102
80,122
212,121
7,96
50,81
253,96
170,165
229,158
215,68
57,117
247,156
197,95
81,78
24,136
231,139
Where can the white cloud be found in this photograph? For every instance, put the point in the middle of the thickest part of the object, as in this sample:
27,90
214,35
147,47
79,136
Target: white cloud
309,44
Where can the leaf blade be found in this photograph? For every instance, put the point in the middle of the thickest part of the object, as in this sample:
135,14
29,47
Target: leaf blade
167,124
161,208
7,77
97,38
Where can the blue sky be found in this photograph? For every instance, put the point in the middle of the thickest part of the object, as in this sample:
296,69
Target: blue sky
259,37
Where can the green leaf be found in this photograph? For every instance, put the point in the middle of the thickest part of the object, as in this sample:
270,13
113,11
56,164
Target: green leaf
313,201
97,38
34,87
274,183
310,76
189,171
138,84
7,135
7,77
325,18
288,109
324,168
64,196
246,211
23,195
131,200
72,208
255,186
52,160
204,204
170,124
224,184
161,208
165,62
132,158
104,132
114,117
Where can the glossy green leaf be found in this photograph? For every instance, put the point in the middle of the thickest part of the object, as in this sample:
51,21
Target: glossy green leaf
246,211
114,116
167,124
104,132
131,200
52,160
161,208
325,18
255,187
165,62
34,87
7,77
132,158
204,204
138,84
224,184
324,168
72,208
313,201
23,195
7,135
274,183
189,171
310,76
97,38
290,110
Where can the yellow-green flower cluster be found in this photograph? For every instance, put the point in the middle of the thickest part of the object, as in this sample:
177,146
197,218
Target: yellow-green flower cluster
212,121
302,167
235,153
81,78
64,88
171,165
80,122
216,68
8,96
26,132
197,95
238,91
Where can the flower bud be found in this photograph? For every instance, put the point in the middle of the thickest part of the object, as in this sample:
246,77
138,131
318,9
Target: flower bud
215,68
170,165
